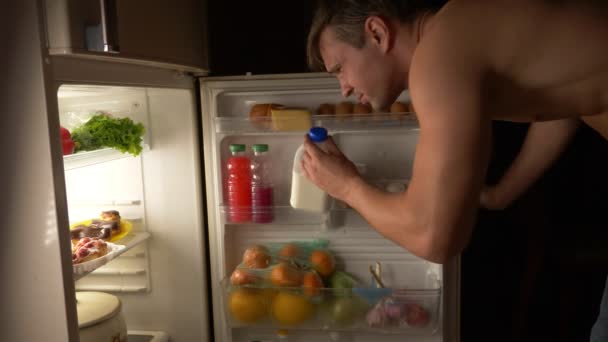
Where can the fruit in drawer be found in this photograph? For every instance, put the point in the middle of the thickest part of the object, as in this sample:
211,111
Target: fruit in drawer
291,308
322,262
256,257
312,284
242,277
342,283
416,315
248,305
344,311
290,251
284,275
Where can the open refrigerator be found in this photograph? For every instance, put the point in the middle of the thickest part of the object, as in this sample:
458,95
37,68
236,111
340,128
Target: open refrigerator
382,145
172,272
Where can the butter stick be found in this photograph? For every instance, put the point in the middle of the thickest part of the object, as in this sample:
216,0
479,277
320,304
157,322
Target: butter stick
291,119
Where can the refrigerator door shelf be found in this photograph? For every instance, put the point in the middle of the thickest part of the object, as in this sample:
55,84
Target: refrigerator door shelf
285,215
333,123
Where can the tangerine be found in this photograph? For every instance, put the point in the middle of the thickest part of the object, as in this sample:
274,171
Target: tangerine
312,284
322,262
285,276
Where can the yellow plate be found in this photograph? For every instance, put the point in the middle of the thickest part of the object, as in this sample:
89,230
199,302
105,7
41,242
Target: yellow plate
125,228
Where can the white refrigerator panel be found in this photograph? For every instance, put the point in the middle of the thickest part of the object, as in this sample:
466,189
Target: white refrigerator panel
385,151
36,292
161,283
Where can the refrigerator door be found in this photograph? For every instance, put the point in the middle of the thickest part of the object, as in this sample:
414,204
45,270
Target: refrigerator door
166,186
37,293
367,139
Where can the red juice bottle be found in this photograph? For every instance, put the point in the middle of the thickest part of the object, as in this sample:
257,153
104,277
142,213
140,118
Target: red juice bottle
239,185
261,186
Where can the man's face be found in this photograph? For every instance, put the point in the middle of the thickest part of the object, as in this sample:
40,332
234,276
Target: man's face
367,73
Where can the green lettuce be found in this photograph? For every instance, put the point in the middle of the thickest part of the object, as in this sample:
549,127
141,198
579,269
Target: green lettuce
105,131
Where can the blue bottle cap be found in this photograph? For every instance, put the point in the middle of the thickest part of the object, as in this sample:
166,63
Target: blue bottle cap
317,134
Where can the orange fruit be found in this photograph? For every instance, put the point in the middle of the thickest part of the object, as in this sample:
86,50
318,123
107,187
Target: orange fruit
322,262
248,305
312,284
242,277
256,257
285,276
289,250
290,308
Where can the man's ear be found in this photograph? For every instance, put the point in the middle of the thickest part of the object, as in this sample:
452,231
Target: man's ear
378,32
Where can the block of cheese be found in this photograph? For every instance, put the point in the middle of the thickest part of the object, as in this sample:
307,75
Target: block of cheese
291,119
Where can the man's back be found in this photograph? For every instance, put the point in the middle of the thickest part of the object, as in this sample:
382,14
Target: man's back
544,59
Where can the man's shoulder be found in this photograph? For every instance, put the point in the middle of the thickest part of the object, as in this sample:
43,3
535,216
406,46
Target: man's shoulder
449,48
460,39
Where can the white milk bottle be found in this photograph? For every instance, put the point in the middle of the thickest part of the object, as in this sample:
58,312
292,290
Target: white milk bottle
304,194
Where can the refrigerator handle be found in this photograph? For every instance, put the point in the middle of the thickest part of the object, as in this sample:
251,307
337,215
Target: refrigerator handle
109,26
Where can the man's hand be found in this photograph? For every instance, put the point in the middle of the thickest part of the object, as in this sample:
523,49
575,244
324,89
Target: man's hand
544,143
331,171
490,199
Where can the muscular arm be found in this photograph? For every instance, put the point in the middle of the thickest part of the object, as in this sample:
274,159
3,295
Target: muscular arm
434,217
543,145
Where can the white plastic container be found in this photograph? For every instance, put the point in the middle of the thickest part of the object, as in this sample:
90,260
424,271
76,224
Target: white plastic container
100,318
304,194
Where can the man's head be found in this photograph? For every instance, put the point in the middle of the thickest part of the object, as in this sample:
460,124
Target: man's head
356,41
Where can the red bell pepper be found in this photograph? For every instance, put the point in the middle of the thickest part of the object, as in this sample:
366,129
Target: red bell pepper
66,141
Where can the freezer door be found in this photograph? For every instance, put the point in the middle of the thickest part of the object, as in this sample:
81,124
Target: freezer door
36,291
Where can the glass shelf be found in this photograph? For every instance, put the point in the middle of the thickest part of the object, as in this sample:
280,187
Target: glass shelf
125,244
333,123
82,159
339,214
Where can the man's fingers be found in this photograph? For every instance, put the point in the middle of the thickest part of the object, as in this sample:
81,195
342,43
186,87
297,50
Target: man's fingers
304,166
332,148
312,149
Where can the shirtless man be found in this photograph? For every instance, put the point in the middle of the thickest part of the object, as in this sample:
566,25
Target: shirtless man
465,63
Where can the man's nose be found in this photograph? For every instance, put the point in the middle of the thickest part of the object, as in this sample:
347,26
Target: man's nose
346,88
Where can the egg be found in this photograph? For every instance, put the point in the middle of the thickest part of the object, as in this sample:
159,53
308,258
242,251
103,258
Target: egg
399,107
360,110
326,109
344,109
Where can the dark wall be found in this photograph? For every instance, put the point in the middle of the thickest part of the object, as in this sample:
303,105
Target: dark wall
536,271
262,37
